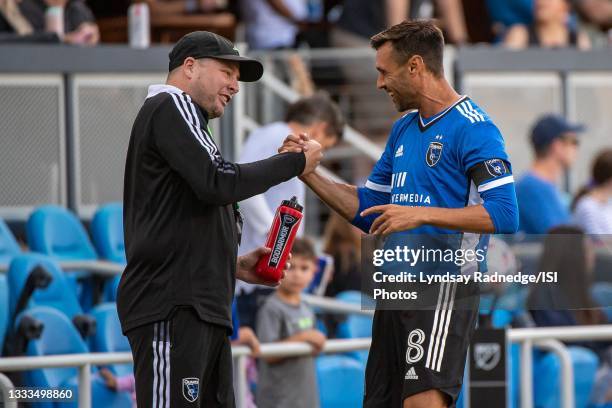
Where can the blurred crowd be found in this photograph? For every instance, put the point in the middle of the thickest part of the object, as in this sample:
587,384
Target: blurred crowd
319,23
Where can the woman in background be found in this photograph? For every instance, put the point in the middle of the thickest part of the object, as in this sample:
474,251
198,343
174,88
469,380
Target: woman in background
593,204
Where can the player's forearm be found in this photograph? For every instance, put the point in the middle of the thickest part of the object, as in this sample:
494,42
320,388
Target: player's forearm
341,198
469,219
396,11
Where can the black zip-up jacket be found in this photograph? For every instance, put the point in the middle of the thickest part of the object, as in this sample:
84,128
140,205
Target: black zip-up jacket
179,212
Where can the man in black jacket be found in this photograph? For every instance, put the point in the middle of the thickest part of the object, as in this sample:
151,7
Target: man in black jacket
182,227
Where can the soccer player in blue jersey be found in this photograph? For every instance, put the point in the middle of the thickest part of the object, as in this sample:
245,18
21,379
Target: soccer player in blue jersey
444,170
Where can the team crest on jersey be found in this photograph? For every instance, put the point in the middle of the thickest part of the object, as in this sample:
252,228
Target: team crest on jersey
434,152
496,167
191,388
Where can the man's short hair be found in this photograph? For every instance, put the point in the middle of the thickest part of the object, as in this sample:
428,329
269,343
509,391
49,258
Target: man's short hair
416,37
303,247
317,108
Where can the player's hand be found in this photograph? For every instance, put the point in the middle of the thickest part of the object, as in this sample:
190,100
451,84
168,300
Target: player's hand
294,144
394,218
246,267
247,337
314,153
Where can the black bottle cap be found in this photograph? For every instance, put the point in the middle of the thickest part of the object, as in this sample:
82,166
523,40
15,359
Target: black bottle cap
293,203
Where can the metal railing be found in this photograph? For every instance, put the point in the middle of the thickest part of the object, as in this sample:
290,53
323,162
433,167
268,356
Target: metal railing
85,361
549,338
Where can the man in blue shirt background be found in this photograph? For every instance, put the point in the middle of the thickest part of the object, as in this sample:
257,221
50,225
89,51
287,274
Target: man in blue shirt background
541,202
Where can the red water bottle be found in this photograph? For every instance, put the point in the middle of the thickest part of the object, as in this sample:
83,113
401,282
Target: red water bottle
280,240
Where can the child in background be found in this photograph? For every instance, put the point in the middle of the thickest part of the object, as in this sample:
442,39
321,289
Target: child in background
284,317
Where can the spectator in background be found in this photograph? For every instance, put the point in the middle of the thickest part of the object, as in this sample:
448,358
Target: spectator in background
361,19
272,24
28,19
343,242
593,204
551,28
320,118
541,205
567,302
284,317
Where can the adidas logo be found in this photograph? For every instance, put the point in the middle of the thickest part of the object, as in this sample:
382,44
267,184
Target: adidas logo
411,374
400,151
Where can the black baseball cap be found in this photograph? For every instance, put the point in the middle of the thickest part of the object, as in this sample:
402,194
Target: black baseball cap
550,127
204,44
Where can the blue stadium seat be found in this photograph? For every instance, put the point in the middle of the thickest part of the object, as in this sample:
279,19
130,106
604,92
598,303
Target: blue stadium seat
355,326
340,381
107,232
4,310
55,231
58,294
547,381
60,337
8,244
108,337
107,236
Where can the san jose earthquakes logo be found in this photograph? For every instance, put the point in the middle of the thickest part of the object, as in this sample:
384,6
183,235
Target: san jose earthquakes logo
434,152
191,388
496,167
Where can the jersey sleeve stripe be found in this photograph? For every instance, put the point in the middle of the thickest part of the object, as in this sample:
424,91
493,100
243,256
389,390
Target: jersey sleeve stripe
378,187
465,114
177,102
495,183
469,105
470,112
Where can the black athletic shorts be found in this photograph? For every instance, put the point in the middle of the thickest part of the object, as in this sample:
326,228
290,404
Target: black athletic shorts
418,350
182,362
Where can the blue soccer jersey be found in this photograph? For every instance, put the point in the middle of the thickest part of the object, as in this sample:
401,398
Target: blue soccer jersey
454,159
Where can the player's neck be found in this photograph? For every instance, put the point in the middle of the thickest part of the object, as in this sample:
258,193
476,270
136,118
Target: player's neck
548,169
436,97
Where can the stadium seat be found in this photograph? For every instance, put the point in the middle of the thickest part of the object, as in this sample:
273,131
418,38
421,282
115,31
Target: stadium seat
55,231
355,326
322,276
340,381
107,236
8,244
58,294
547,387
4,310
60,337
107,232
108,337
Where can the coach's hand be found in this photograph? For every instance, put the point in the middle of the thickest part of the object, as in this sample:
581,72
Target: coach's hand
294,144
245,270
394,218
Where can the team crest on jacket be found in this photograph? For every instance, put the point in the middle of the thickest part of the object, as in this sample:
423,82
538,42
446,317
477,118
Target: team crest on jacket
191,388
496,167
434,152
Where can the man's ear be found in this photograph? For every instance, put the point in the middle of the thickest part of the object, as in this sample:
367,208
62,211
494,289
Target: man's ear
415,64
189,67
